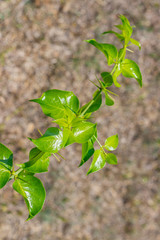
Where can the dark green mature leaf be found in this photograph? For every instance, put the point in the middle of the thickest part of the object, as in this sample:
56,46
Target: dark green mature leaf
87,152
107,78
130,69
6,162
83,131
108,99
54,103
111,143
98,161
38,161
88,149
109,50
52,141
135,42
96,104
111,158
33,192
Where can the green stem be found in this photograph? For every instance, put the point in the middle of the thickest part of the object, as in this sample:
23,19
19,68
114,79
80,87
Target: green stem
98,141
15,173
99,144
114,68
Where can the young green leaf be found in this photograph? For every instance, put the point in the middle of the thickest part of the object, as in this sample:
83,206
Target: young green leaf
38,161
98,161
109,50
111,143
6,162
108,99
54,103
130,69
33,192
83,131
111,158
52,141
62,122
135,42
107,78
127,29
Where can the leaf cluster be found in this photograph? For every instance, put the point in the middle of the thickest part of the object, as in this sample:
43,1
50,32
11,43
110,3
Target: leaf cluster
74,125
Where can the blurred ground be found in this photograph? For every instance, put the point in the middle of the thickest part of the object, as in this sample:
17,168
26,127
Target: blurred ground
42,48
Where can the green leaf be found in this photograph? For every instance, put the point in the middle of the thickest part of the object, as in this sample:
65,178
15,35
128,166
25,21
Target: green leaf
130,69
87,152
118,35
109,50
33,192
135,42
83,131
6,162
111,159
96,104
116,74
52,141
38,161
107,78
120,26
88,149
54,103
98,161
108,99
127,29
111,143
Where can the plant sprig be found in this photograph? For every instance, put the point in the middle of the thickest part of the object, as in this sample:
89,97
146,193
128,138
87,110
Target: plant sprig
74,124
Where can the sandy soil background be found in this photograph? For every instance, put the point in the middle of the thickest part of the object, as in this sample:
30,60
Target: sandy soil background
41,48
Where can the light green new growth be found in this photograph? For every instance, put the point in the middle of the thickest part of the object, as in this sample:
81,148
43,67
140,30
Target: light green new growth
74,127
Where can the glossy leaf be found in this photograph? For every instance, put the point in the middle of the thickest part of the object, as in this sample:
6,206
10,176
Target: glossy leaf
87,152
6,162
96,104
108,99
98,161
88,149
33,192
111,158
130,69
38,161
52,141
54,103
111,143
135,42
107,78
108,50
83,131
